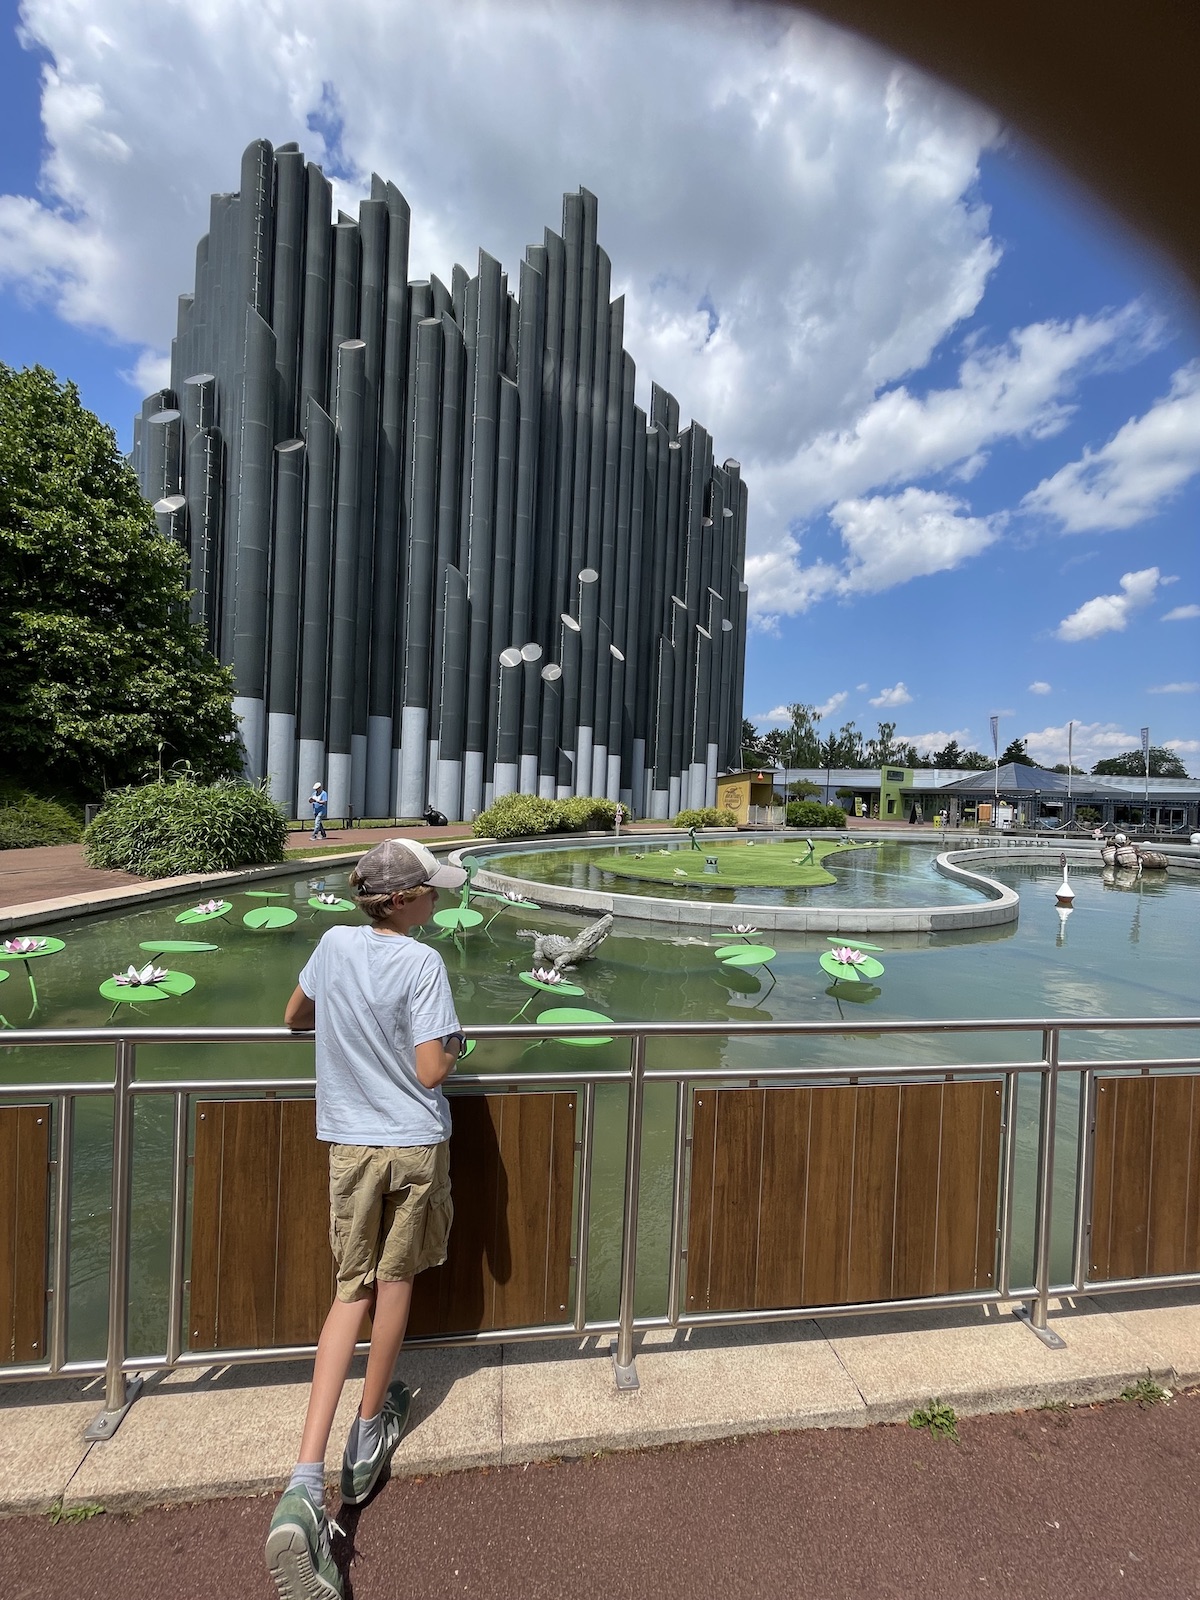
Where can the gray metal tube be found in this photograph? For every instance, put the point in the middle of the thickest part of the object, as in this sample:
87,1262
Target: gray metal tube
588,601
529,386
170,515
320,443
256,221
548,748
480,479
204,527
545,552
563,570
318,279
531,710
452,696
568,655
283,679
508,721
249,569
348,418
288,285
383,779
420,573
623,1346
502,623
616,723
163,435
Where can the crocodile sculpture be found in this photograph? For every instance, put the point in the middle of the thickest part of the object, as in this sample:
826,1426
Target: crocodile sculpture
565,954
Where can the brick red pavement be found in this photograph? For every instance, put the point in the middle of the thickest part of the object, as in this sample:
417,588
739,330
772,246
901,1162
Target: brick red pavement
1088,1504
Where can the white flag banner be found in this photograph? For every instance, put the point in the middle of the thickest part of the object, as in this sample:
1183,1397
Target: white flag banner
1146,743
996,737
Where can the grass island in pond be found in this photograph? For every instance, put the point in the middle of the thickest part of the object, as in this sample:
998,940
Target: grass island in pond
740,864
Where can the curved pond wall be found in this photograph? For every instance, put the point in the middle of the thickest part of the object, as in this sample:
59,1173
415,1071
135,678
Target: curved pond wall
998,904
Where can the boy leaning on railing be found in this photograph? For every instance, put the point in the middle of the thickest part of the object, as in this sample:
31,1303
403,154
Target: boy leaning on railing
387,1037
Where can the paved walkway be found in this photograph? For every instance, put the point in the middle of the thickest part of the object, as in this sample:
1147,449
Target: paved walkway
1052,1501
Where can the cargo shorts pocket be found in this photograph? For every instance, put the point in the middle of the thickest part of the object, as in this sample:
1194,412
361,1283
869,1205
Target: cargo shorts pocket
439,1215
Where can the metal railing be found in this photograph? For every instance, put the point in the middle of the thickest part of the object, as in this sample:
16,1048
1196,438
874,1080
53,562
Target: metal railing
122,1370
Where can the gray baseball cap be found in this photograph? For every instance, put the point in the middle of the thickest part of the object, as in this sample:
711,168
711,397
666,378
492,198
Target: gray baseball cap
399,864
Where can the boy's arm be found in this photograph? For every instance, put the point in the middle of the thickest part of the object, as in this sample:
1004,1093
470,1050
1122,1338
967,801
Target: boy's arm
434,1062
301,1012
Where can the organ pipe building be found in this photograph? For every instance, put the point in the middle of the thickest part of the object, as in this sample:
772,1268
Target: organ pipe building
446,554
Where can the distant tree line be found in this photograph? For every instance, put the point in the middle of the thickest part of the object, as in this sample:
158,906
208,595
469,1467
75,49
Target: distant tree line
801,745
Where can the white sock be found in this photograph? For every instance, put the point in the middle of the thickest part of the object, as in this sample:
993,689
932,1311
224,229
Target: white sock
310,1475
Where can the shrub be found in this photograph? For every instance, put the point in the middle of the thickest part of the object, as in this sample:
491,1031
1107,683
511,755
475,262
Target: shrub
706,817
26,820
513,816
178,826
812,814
582,812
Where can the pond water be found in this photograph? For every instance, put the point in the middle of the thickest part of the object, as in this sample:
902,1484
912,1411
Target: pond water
1123,952
891,873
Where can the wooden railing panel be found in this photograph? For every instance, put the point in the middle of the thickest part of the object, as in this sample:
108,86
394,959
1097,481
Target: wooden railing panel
24,1231
842,1195
261,1269
1145,1202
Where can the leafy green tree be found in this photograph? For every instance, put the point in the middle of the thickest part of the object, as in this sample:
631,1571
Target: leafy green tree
1163,764
1062,767
104,674
1016,754
974,761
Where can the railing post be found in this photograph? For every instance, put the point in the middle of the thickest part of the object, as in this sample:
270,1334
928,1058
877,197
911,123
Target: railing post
622,1347
119,1394
1038,1312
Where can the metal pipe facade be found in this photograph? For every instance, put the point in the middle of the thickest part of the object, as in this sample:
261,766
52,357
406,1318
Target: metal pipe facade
446,554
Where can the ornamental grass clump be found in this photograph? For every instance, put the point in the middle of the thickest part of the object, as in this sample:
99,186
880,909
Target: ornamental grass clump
706,817
178,826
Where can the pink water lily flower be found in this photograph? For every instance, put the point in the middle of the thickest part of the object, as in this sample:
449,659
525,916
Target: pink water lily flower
847,956
210,905
133,979
550,975
23,947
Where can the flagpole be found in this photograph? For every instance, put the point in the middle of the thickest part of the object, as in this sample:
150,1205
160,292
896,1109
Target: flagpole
1146,760
996,754
1070,761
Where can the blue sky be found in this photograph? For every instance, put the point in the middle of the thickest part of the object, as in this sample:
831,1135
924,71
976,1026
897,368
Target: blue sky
967,407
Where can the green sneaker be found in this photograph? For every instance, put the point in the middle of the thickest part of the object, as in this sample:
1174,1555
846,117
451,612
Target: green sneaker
359,1479
298,1554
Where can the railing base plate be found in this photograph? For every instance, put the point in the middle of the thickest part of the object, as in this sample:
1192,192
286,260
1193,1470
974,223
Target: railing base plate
626,1377
1046,1335
106,1423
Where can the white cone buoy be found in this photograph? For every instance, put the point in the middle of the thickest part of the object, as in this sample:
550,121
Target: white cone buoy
1064,895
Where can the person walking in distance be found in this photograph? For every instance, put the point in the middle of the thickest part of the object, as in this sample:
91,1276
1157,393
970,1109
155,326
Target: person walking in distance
320,810
387,1038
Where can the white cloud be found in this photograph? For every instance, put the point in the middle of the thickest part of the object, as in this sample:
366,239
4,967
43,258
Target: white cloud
1039,687
779,714
1110,613
833,704
1183,747
898,695
1090,742
1182,614
888,540
816,195
1174,688
1136,473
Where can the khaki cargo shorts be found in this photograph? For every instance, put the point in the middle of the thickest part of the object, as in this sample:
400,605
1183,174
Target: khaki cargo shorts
389,1213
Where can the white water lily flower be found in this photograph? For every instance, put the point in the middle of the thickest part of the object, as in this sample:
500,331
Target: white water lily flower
847,956
744,927
23,947
328,899
550,975
513,895
209,905
132,978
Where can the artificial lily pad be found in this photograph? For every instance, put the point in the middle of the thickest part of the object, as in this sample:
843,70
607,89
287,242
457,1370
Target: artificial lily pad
560,1014
857,944
162,947
318,904
549,988
267,894
168,986
270,917
746,955
851,972
195,914
4,975
458,917
45,947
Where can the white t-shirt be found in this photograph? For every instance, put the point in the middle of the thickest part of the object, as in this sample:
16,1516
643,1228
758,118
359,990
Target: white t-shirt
378,996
